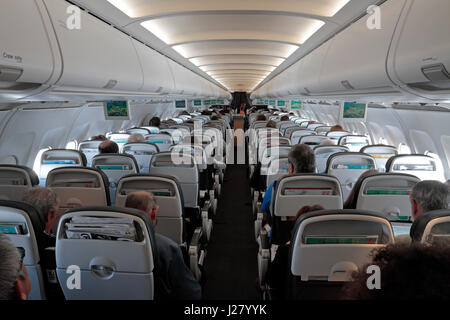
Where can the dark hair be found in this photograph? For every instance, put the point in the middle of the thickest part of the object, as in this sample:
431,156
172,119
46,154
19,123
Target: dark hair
108,146
261,117
271,124
100,137
155,122
408,272
302,158
284,118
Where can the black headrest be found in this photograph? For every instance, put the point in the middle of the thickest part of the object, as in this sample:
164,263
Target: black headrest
37,219
392,159
102,174
33,176
346,154
81,154
118,155
419,225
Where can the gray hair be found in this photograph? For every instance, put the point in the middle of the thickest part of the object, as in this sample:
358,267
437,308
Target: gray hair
302,158
431,195
43,199
137,137
9,266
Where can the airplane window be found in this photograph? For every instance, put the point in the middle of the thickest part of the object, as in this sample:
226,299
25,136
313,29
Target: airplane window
37,160
382,140
403,149
439,166
72,145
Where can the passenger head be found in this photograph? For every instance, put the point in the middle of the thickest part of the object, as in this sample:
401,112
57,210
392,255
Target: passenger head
46,202
271,124
284,118
408,272
301,159
337,128
137,137
306,209
327,143
100,137
108,146
143,201
261,117
15,284
155,122
427,196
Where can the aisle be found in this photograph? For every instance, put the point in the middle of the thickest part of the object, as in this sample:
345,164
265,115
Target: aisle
231,261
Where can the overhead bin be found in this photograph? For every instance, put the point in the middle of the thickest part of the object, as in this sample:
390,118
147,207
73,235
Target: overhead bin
356,59
26,57
420,59
97,56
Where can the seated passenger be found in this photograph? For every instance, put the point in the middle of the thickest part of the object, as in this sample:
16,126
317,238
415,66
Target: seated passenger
15,284
100,137
261,117
178,280
137,137
284,118
271,124
46,202
108,146
155,122
337,128
407,273
277,275
301,160
327,143
350,203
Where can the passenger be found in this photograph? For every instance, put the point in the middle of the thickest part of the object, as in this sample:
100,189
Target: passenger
350,203
261,117
46,202
137,137
173,272
100,137
407,273
271,124
15,284
284,118
276,274
327,143
107,147
155,122
337,128
301,160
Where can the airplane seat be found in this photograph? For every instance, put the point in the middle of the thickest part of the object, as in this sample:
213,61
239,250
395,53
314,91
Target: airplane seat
151,129
322,130
298,134
141,130
354,142
314,126
114,249
115,166
170,217
422,166
272,141
15,180
381,154
432,228
162,140
323,153
142,152
288,132
120,138
328,246
348,167
313,140
336,135
57,158
89,149
87,185
24,226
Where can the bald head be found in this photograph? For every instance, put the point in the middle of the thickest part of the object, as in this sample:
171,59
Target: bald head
137,137
143,201
108,146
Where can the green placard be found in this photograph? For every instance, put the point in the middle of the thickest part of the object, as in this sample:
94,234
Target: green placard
272,102
296,105
281,103
197,103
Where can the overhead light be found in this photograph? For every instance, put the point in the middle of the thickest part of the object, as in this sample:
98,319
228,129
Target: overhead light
153,27
339,5
125,7
315,26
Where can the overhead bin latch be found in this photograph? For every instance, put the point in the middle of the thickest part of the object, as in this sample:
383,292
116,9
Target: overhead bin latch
10,74
436,72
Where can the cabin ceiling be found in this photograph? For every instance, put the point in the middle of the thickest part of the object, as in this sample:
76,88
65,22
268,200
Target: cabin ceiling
238,44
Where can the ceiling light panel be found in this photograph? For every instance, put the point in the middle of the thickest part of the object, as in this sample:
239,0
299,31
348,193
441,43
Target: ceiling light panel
218,67
221,59
143,8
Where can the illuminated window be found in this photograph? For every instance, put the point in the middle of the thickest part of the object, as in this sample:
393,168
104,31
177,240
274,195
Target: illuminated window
72,145
37,160
403,149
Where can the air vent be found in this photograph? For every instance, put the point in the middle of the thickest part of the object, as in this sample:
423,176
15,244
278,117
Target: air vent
346,84
9,74
111,84
439,78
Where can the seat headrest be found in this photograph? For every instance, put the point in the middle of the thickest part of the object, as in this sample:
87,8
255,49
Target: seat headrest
140,146
62,153
391,161
118,157
30,172
420,224
349,154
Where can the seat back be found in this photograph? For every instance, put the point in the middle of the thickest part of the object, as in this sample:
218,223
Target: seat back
142,152
288,132
143,131
88,185
183,167
168,196
381,154
347,167
329,245
336,135
58,158
273,141
197,151
163,141
120,138
323,153
312,140
421,166
15,181
23,225
322,130
277,168
271,153
313,126
115,250
89,149
297,135
432,227
354,142
152,130
387,193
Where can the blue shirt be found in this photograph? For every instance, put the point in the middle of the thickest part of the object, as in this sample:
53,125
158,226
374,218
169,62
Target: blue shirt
265,207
